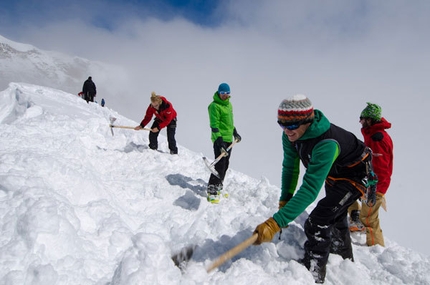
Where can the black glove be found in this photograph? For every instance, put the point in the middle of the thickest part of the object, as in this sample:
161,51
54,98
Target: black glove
236,136
371,196
220,144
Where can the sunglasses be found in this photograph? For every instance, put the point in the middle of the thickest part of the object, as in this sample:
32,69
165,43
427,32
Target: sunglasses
224,92
290,127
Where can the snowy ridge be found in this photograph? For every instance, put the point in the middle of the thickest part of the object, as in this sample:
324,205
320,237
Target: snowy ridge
16,46
29,64
26,63
80,206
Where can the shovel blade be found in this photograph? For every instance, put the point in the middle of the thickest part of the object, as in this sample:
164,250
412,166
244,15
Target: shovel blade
182,257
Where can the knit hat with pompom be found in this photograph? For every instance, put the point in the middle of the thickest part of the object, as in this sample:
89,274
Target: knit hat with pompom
297,109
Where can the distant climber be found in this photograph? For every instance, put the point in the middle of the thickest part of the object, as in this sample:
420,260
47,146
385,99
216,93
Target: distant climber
89,90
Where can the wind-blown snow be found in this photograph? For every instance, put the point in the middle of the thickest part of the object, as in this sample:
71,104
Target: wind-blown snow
80,206
18,46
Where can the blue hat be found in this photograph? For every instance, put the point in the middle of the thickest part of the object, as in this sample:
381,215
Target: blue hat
224,87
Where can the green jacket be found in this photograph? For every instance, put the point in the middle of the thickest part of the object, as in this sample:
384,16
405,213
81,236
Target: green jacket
221,118
323,155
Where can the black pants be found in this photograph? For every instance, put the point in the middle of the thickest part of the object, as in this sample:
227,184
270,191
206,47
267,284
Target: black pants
89,97
327,226
221,167
171,131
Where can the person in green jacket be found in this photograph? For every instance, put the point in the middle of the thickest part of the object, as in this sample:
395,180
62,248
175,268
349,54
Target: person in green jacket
333,157
222,133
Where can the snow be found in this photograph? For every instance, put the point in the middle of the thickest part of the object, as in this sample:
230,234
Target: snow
80,206
18,46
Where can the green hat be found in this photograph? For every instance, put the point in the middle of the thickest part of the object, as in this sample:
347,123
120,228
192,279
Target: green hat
372,111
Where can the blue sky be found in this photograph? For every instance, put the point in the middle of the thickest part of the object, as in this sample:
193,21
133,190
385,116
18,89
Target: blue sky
104,14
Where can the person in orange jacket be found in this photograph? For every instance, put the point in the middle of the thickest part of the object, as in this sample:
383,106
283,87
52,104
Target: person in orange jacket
165,117
374,128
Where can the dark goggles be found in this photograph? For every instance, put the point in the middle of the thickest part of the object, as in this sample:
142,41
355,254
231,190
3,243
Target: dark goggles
290,126
224,92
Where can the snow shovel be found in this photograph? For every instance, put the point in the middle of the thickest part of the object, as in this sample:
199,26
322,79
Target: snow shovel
185,254
232,252
211,166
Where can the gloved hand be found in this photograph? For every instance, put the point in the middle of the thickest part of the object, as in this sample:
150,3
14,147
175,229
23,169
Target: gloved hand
236,136
220,144
371,189
282,204
266,231
371,196
287,198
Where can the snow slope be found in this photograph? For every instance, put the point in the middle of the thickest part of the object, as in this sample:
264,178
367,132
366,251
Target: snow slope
80,206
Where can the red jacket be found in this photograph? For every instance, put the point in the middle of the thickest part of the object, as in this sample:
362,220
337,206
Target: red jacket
381,144
164,115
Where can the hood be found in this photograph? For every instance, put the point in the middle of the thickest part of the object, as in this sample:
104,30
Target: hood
319,126
218,100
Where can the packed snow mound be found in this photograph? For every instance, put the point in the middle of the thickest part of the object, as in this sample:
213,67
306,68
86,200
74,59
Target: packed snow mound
15,105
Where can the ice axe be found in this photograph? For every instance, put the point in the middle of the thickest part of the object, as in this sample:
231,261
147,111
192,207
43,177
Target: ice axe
211,166
112,119
185,254
125,127
122,127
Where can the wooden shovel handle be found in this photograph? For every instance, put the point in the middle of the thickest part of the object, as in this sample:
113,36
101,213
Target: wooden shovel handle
232,252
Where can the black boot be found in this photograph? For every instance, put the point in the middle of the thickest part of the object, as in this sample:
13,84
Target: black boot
355,224
319,274
355,215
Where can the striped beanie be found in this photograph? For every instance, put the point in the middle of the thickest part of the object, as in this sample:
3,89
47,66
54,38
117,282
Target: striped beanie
372,111
296,109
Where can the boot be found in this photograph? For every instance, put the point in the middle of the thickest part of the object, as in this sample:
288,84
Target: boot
319,274
221,190
213,194
355,224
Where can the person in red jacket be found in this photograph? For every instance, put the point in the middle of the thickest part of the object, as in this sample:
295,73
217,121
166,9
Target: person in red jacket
165,117
374,128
